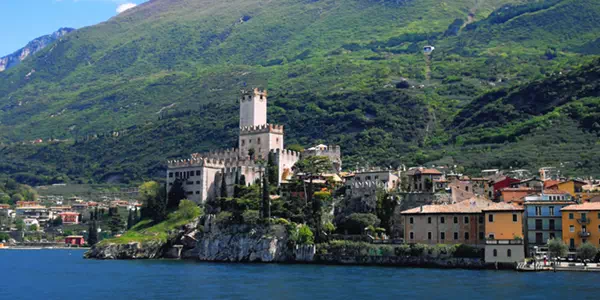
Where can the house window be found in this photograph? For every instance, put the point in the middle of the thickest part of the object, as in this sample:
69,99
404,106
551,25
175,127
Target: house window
243,142
491,218
571,243
455,220
170,174
429,235
466,188
249,141
584,216
198,182
538,210
442,220
508,252
551,224
571,228
176,174
466,220
552,235
571,217
456,236
539,224
411,220
466,236
495,252
491,236
429,220
515,218
599,215
442,235
551,210
412,235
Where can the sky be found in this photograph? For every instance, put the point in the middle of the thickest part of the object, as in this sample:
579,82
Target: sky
24,20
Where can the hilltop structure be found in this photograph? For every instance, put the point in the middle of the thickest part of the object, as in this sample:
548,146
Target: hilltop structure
202,174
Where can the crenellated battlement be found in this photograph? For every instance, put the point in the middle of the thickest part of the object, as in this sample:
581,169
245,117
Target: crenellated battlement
222,154
196,161
285,152
247,95
271,128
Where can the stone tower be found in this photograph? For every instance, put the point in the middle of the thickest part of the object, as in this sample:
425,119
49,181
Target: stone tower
253,108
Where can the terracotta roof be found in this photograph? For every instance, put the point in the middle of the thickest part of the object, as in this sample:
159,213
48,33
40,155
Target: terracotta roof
502,207
584,206
473,205
549,183
423,171
547,202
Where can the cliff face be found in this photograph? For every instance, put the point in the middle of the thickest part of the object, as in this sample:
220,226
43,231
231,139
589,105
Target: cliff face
234,243
31,48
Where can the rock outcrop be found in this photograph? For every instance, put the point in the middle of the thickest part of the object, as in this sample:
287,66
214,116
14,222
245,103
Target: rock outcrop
133,250
31,48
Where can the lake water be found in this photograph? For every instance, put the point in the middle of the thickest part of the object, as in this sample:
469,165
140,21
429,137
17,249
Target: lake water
63,274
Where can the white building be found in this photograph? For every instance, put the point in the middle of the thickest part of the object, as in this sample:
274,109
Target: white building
202,173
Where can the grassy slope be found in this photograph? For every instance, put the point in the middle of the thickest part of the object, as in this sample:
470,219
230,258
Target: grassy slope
327,63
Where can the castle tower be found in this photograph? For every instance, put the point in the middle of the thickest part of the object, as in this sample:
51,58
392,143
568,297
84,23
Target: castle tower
253,108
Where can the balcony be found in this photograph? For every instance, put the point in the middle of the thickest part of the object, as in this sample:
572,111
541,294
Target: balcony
583,221
585,234
504,242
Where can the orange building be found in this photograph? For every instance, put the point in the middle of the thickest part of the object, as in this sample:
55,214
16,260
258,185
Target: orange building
515,195
504,233
581,224
573,187
27,203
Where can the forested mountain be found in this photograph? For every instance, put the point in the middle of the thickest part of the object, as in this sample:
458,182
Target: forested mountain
161,80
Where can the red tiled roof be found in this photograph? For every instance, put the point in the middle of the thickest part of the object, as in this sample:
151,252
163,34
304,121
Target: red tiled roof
473,205
584,206
502,207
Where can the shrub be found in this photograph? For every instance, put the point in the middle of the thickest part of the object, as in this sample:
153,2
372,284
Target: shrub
282,221
356,223
557,248
466,251
224,218
417,250
251,217
305,236
587,251
329,227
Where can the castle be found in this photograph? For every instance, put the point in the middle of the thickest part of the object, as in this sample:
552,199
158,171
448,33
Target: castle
202,173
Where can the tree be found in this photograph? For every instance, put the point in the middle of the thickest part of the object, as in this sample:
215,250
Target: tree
266,203
57,222
586,251
115,224
251,153
93,233
272,169
223,186
309,168
20,224
243,180
154,201
386,204
4,237
176,194
356,223
557,248
130,219
33,227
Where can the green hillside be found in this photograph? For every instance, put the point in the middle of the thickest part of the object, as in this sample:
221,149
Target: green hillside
166,74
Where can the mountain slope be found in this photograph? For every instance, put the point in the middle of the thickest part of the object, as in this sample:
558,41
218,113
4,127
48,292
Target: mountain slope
31,48
350,72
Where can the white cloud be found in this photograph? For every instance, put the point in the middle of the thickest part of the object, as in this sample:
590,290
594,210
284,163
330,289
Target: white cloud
123,7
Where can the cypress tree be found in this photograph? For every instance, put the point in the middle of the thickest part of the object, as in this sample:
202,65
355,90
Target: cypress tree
272,169
266,205
93,233
243,180
236,188
175,195
130,220
223,186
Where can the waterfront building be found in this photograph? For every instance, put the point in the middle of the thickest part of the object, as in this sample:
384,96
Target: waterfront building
460,223
504,233
543,217
203,174
39,213
75,240
581,224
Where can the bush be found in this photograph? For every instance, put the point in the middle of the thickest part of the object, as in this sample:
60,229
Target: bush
224,218
466,251
356,223
282,221
305,236
329,227
250,217
187,210
4,237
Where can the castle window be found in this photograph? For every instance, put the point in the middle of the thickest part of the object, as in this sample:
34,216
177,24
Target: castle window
277,140
243,142
495,252
456,236
249,141
508,252
258,141
429,235
442,235
198,173
197,192
170,174
412,235
442,220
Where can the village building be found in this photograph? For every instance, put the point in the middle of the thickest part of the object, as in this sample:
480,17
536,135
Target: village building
202,174
31,222
460,223
573,187
422,179
543,216
515,195
581,224
504,233
388,179
69,218
40,213
75,240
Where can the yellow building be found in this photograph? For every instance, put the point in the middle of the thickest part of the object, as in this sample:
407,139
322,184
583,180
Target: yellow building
504,233
573,187
581,223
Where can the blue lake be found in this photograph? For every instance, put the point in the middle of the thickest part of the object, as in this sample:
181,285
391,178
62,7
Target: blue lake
64,274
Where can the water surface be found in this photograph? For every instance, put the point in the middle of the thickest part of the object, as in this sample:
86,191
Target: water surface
63,274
